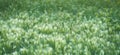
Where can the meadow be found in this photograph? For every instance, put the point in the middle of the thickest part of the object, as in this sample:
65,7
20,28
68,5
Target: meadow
59,27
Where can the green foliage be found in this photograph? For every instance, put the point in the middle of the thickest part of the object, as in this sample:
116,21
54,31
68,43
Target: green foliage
59,27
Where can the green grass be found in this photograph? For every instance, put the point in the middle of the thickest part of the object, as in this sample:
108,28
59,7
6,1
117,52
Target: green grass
59,27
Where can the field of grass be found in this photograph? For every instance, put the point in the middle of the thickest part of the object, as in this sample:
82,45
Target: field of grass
59,27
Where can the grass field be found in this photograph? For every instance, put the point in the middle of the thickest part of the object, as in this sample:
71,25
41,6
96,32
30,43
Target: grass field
59,27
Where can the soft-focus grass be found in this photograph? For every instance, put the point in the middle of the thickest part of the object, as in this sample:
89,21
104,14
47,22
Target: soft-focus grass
59,27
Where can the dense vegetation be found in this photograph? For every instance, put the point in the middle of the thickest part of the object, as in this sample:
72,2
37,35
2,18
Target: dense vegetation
59,27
